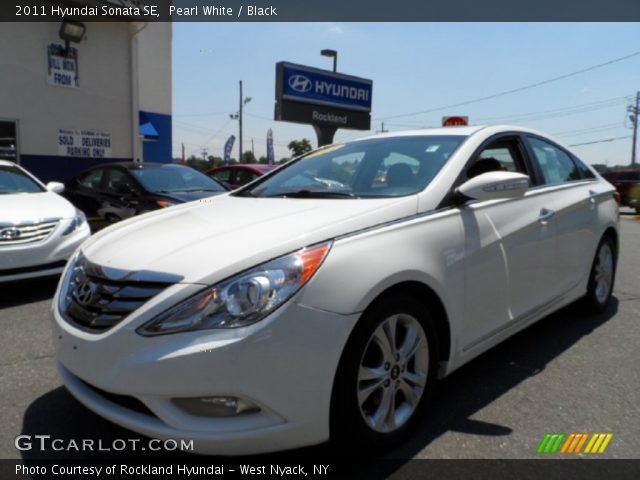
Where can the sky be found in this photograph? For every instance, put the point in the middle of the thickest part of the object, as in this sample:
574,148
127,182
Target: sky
414,67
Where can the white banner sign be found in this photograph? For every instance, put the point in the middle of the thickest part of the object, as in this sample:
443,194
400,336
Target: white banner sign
84,143
62,66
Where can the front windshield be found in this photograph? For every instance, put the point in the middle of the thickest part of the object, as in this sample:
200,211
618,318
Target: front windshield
175,178
14,180
380,167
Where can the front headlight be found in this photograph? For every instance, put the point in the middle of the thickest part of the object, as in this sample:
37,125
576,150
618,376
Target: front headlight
78,220
243,299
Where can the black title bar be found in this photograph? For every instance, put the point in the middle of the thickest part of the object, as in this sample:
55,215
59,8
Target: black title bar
322,10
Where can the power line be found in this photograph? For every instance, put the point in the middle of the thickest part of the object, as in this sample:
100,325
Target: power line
519,89
604,140
580,131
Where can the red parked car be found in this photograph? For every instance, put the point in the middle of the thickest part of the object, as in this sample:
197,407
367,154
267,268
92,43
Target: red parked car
234,176
627,183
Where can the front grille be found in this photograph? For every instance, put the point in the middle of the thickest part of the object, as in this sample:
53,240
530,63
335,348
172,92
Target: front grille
98,298
27,232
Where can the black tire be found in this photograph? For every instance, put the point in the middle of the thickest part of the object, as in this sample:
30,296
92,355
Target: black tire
594,302
348,425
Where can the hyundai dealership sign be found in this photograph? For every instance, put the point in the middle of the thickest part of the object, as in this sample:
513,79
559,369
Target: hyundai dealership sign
322,98
309,85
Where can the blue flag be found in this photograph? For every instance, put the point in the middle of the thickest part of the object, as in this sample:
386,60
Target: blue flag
227,150
271,158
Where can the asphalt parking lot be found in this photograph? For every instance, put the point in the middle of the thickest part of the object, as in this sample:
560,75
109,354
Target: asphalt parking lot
567,373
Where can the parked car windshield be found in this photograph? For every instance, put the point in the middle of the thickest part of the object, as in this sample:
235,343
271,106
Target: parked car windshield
13,180
380,167
175,178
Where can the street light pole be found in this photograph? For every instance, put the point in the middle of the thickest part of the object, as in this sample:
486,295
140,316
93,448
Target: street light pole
331,53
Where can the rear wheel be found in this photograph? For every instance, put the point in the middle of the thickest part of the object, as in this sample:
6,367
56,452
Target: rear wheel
602,277
386,375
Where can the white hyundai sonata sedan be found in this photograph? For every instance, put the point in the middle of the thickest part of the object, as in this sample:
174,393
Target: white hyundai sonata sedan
39,230
326,298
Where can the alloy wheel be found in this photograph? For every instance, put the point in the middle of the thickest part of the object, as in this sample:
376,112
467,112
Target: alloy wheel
603,273
393,373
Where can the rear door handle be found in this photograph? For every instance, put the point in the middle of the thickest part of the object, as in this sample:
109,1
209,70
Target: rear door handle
545,215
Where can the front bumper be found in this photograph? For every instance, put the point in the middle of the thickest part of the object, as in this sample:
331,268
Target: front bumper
19,262
285,364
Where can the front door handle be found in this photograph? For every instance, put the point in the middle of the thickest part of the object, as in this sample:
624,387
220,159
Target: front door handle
545,215
592,196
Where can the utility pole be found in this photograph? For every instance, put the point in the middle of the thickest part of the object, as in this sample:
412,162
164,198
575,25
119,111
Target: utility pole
238,116
184,160
633,116
253,152
240,121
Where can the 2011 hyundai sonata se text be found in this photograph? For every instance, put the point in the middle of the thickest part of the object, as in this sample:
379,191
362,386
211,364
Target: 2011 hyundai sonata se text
326,298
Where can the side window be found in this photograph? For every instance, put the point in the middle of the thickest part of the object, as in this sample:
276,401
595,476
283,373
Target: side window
556,165
222,175
92,179
582,168
501,156
119,182
245,176
630,176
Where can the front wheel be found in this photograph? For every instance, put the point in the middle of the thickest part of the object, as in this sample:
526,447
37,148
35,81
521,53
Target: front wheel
386,375
602,277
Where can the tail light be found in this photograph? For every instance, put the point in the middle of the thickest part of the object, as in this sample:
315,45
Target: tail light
616,195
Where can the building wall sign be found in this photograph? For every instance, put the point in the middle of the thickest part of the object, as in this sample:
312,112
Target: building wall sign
62,66
84,143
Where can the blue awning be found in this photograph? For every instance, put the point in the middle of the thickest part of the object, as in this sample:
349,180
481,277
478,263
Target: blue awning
148,131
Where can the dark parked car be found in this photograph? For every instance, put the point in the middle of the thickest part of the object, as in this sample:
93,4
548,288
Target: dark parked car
117,191
627,183
240,174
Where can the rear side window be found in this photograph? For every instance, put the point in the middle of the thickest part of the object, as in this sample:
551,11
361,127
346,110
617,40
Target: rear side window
245,176
222,175
92,179
635,176
585,172
555,164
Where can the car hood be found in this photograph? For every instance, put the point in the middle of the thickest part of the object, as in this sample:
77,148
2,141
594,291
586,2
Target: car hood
209,240
33,207
183,197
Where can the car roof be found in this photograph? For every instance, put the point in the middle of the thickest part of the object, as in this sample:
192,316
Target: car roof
244,166
8,163
447,131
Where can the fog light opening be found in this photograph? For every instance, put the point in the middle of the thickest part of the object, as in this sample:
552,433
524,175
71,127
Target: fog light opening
216,406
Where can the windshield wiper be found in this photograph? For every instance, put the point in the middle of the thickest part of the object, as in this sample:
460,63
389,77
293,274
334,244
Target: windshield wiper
314,194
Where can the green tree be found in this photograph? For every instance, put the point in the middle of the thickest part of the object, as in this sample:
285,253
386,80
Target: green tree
249,157
283,160
263,160
299,147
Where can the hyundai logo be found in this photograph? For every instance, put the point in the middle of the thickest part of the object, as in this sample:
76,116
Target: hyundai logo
83,293
10,233
300,83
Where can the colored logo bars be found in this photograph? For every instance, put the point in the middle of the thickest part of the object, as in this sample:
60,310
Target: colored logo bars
574,443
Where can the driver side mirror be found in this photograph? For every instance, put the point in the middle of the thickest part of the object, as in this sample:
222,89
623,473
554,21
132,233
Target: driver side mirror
495,185
55,187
